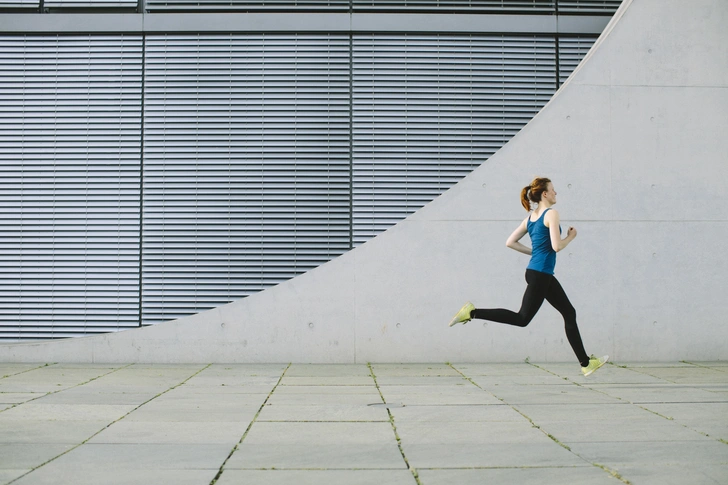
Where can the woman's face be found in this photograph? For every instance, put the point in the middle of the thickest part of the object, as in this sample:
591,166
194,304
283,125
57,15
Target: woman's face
550,194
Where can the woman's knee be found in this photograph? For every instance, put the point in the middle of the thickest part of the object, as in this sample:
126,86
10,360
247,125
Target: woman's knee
524,320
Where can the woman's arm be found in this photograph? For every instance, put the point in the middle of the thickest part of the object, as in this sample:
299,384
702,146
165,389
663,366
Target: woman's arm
552,222
513,239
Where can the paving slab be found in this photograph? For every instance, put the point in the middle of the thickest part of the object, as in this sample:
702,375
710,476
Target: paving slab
676,475
218,402
38,410
620,454
491,383
629,364
550,394
657,393
416,381
507,455
370,389
521,476
48,381
159,414
354,380
382,456
27,456
421,395
255,370
414,370
13,431
625,430
473,433
722,364
687,375
85,396
332,412
8,369
212,381
328,370
583,413
6,476
519,369
697,416
456,413
19,397
317,477
127,476
313,433
194,433
116,456
370,396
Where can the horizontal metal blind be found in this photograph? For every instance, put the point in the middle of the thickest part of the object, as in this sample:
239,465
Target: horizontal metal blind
589,6
70,126
504,6
94,4
247,165
491,6
571,51
246,5
19,4
429,109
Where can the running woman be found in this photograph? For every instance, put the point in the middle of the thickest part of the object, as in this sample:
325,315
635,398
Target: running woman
542,225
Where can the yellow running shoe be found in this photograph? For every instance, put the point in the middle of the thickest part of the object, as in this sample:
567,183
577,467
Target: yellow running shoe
463,315
594,364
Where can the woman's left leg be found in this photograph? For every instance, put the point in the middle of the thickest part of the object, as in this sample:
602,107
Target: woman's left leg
556,296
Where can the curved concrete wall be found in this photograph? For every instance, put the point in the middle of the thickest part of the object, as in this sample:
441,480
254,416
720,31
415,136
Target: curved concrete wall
636,145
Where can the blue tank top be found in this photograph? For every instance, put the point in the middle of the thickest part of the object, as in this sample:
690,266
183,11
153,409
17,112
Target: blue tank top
543,256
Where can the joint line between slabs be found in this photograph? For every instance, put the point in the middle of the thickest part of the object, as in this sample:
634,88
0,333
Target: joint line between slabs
41,366
412,470
703,366
108,425
247,430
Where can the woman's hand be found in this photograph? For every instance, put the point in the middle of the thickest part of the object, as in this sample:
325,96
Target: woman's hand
513,239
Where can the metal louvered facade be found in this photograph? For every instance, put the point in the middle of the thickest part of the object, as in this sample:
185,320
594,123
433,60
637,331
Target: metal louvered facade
90,4
427,110
548,7
70,125
480,6
571,51
148,176
246,165
25,4
588,6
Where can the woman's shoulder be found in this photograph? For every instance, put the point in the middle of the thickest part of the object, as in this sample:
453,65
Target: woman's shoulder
551,215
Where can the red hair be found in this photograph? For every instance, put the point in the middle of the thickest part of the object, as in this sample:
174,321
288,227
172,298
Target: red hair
533,192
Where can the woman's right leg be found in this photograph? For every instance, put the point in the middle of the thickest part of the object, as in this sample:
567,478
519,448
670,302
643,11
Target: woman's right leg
532,300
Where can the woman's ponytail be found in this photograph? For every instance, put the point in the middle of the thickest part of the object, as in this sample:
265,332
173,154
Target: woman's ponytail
524,198
532,193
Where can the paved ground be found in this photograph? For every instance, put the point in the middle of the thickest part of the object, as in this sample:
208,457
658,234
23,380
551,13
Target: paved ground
328,424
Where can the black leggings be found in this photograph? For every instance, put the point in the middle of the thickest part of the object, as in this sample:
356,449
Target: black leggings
541,286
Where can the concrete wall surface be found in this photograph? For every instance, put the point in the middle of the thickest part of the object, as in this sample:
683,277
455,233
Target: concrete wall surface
635,143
